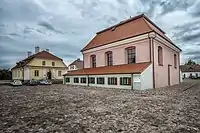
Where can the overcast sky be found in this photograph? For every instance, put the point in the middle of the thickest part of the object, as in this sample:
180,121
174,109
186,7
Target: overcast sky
65,26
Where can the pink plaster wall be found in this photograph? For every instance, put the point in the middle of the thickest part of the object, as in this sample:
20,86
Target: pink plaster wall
161,72
119,55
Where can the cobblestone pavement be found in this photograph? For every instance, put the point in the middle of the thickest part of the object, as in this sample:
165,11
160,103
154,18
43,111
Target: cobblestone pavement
75,109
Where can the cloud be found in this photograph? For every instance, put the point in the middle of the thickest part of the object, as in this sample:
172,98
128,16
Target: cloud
46,24
66,26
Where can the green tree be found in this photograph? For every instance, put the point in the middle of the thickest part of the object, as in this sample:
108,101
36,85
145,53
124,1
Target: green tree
190,62
5,74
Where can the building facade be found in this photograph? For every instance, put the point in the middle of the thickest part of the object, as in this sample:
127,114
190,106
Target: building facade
190,71
41,65
76,65
134,54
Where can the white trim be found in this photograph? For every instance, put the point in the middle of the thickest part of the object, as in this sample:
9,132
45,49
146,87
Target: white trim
158,38
26,73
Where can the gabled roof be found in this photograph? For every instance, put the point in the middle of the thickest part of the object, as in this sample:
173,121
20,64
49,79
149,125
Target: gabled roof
190,68
78,63
117,69
42,55
135,26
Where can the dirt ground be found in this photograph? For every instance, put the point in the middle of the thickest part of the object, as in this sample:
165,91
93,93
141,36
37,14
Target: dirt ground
75,109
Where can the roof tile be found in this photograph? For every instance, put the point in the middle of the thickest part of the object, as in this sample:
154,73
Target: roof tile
117,69
129,28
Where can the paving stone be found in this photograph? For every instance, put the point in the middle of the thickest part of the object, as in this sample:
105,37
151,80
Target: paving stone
79,109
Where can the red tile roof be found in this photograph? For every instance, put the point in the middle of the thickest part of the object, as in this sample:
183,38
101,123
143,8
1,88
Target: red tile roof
190,68
117,69
129,28
42,55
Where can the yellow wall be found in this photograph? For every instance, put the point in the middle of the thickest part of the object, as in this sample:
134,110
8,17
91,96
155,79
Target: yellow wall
32,73
17,73
38,62
43,71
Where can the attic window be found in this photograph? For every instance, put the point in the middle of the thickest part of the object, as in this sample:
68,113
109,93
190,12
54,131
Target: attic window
113,28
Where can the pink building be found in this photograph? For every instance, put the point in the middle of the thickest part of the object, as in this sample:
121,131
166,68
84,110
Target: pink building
134,54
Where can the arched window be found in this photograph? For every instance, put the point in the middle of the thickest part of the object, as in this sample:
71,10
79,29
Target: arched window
175,61
131,56
109,58
160,55
93,61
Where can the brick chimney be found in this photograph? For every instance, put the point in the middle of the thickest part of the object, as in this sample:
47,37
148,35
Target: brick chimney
37,49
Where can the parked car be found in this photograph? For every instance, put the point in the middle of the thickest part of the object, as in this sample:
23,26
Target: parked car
16,83
31,82
44,82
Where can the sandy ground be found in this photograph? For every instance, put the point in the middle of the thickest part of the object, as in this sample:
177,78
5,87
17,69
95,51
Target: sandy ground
75,109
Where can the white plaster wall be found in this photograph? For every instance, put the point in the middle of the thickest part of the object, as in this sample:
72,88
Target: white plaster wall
44,72
181,76
26,73
136,81
147,78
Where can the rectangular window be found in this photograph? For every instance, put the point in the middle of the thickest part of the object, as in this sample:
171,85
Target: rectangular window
36,73
93,61
43,63
59,73
67,80
109,59
131,55
83,80
175,61
53,63
76,80
100,80
125,81
92,80
112,81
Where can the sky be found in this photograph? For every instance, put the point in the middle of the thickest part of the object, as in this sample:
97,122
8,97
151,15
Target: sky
66,26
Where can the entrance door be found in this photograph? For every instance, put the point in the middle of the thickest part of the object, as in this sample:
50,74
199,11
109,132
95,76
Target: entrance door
49,75
169,75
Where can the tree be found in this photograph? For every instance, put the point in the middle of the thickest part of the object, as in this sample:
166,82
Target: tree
5,74
190,62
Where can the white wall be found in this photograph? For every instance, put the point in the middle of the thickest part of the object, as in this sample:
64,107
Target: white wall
136,81
187,74
26,73
72,67
147,78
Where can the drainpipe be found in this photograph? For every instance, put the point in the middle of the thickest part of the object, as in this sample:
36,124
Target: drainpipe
132,82
152,37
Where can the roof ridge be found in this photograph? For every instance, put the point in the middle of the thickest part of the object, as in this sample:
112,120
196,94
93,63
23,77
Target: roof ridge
122,22
153,24
148,25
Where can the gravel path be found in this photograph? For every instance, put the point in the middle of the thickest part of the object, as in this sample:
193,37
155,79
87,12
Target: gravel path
75,109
